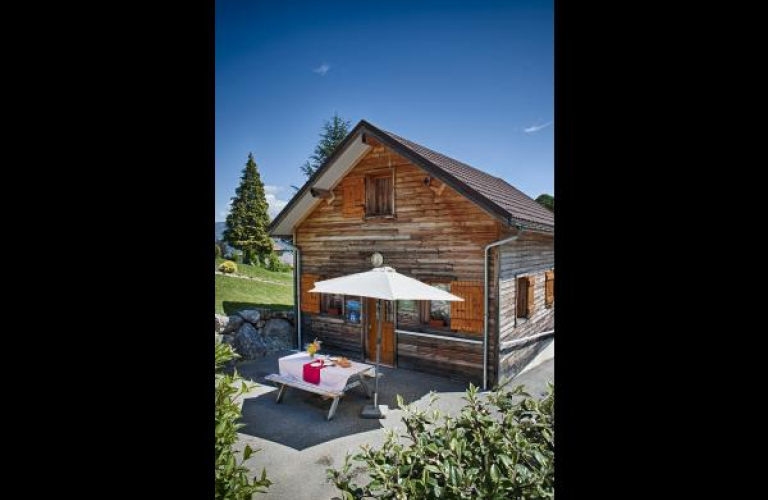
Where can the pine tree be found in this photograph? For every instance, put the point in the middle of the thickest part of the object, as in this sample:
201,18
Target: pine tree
334,131
248,219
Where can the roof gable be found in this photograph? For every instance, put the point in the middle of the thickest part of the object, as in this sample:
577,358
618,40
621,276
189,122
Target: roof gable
493,194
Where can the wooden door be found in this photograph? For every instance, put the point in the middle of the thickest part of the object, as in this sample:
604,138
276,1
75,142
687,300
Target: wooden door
387,332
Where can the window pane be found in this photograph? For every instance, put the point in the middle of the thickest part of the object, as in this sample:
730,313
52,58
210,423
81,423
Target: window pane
353,310
332,304
441,309
408,306
408,312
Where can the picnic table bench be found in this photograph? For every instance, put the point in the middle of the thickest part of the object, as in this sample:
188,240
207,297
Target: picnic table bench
342,380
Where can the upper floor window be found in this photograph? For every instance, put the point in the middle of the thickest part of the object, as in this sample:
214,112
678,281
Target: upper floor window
379,195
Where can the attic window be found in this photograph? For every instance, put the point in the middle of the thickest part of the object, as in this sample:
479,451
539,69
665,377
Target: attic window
379,195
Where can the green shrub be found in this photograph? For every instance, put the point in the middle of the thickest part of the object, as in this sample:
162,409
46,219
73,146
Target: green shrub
275,264
500,447
238,257
232,481
218,251
228,267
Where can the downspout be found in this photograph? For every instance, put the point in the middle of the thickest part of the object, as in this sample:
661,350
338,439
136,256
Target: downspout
296,291
486,312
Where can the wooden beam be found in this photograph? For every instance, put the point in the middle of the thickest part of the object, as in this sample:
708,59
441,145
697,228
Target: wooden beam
438,190
326,194
320,193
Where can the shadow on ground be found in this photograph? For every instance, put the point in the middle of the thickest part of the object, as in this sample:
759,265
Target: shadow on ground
299,420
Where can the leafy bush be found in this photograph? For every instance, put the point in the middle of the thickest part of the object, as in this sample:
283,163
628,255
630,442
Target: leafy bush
275,264
218,251
232,481
228,267
501,448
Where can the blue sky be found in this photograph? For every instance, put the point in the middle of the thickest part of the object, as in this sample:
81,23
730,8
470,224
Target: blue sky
473,80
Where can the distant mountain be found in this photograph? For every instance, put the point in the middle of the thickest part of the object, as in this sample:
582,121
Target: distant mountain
220,227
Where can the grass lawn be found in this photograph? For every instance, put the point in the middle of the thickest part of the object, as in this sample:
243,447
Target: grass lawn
235,294
258,272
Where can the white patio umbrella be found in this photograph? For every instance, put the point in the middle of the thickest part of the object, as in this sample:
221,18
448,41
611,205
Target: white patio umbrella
383,283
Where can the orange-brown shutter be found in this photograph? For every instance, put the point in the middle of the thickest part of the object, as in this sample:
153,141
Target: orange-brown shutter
310,302
353,196
550,288
467,316
531,288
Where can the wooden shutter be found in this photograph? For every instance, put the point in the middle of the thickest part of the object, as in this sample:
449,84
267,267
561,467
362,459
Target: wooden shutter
521,288
467,316
529,304
549,296
310,302
378,194
353,196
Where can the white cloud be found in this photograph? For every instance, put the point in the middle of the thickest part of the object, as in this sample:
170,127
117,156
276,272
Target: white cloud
322,69
536,128
275,205
270,193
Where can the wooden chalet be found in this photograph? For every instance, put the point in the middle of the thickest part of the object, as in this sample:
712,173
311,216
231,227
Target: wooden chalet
438,220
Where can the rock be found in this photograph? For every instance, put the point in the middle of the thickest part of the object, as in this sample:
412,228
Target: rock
227,339
233,324
220,323
261,323
278,333
250,315
248,342
218,337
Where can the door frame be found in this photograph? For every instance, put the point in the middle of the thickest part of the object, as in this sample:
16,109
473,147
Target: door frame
366,332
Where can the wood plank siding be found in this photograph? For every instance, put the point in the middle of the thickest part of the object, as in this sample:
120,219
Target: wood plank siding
435,235
531,256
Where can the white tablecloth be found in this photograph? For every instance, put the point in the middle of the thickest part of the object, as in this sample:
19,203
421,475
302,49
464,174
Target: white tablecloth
332,378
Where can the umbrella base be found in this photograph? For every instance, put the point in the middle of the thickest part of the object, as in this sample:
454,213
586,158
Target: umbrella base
371,411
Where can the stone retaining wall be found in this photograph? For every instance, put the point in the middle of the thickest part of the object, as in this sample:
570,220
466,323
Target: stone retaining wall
254,333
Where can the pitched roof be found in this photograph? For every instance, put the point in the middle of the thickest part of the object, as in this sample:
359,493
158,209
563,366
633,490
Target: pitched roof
520,206
492,193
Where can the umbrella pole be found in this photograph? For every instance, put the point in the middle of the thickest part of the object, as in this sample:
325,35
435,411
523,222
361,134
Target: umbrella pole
375,411
378,354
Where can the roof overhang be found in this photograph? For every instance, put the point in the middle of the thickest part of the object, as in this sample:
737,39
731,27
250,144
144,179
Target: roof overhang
347,155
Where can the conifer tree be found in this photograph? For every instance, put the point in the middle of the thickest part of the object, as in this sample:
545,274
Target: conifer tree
248,219
334,131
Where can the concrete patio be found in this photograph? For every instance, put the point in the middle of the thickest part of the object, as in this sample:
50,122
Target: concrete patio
298,444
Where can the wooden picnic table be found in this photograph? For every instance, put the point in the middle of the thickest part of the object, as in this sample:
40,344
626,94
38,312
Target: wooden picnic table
334,380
